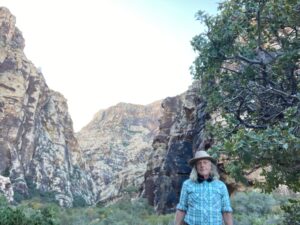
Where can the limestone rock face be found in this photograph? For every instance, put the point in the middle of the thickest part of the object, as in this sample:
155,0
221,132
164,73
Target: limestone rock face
38,148
116,146
6,188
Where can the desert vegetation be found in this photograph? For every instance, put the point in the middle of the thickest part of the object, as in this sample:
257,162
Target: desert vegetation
250,208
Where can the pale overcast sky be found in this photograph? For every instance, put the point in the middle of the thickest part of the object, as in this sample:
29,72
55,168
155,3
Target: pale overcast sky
98,53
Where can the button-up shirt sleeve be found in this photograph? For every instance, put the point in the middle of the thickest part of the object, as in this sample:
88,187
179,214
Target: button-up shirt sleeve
226,207
182,205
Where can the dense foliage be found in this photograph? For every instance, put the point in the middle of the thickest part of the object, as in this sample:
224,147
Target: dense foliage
256,208
123,212
292,212
251,208
248,65
12,215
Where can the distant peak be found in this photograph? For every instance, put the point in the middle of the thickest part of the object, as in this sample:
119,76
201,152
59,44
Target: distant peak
9,34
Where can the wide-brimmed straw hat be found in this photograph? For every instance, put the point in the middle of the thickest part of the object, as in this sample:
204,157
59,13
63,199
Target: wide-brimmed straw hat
201,155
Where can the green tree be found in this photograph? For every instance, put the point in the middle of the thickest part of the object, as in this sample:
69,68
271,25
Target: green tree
248,66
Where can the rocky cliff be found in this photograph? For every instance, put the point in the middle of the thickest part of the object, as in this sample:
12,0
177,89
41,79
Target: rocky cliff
38,149
6,188
116,145
181,133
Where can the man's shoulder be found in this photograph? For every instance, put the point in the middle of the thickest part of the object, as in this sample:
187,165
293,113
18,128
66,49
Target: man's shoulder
188,182
218,181
220,184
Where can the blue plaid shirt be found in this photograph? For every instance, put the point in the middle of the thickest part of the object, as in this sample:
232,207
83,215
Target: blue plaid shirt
204,202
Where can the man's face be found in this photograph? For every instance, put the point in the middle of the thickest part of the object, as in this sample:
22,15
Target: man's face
203,167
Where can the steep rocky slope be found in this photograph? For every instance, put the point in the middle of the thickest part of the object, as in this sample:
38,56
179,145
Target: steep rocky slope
181,133
116,145
38,149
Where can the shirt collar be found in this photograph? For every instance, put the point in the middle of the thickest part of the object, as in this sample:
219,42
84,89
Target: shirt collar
201,179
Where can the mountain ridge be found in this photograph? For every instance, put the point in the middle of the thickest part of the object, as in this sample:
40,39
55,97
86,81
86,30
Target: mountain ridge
37,143
116,145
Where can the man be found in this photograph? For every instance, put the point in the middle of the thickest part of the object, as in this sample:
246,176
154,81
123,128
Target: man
204,199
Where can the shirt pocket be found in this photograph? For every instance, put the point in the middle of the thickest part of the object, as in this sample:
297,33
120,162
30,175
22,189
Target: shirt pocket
194,198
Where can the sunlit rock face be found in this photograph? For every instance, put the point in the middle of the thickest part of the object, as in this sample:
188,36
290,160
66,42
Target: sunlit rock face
116,145
38,149
6,188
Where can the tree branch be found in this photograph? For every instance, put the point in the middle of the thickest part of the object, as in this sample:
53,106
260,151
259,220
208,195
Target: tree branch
252,170
231,70
283,93
251,61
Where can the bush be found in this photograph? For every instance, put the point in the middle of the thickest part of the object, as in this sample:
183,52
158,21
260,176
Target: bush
255,208
292,212
78,201
18,197
126,212
160,220
10,215
6,172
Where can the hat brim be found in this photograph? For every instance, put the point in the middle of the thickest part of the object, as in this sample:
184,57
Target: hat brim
194,160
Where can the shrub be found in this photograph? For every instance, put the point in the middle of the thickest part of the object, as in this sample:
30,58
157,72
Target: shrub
78,201
6,172
292,212
160,220
10,215
255,208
